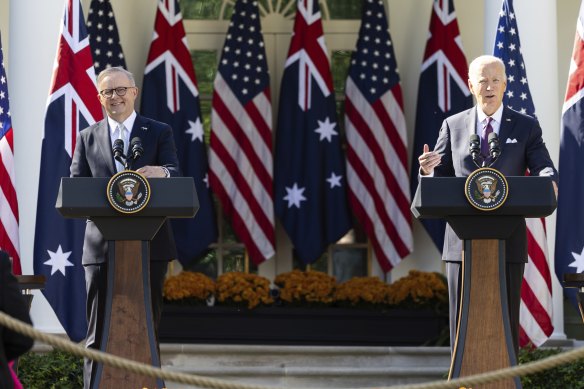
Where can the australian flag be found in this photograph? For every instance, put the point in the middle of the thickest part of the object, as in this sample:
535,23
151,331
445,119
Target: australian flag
570,222
310,180
72,105
170,95
442,91
103,36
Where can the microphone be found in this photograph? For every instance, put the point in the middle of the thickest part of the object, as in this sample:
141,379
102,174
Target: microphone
494,148
118,150
474,148
136,148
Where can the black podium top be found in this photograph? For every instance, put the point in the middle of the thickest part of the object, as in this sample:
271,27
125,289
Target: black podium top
85,197
441,197
444,197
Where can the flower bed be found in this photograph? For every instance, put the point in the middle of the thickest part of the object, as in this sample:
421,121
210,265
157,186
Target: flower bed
308,308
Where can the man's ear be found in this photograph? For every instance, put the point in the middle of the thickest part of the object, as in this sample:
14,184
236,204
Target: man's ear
470,86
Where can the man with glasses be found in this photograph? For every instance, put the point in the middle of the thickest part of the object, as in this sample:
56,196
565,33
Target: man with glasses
94,157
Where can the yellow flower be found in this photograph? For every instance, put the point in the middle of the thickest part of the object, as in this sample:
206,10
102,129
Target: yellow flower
196,287
236,288
421,289
362,291
301,287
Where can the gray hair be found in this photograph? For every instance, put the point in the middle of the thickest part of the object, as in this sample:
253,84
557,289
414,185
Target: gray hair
116,69
484,60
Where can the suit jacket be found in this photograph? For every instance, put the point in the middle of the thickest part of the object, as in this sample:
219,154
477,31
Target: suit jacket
12,344
93,157
522,148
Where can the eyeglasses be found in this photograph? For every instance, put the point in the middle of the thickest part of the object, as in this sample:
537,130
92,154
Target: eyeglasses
120,91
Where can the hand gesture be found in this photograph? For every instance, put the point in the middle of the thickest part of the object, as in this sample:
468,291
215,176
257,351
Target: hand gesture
428,161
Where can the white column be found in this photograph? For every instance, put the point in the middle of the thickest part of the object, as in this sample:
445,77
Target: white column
537,24
34,31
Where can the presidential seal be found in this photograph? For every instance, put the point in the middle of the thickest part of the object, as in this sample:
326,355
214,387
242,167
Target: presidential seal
486,189
128,191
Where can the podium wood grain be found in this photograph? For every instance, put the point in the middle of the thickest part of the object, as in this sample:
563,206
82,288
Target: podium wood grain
128,335
483,342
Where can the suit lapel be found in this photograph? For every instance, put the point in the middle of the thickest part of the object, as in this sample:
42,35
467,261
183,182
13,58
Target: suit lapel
141,130
105,144
507,123
471,123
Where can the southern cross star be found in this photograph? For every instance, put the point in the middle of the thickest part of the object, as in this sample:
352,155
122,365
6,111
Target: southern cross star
294,196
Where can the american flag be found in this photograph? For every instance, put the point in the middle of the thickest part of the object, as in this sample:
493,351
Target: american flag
240,158
310,181
570,223
170,95
377,167
8,200
442,92
103,36
72,105
536,291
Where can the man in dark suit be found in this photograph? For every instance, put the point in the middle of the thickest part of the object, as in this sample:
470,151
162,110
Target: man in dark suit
93,157
522,148
12,343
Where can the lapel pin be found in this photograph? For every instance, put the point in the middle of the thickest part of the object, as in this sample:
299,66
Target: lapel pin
143,128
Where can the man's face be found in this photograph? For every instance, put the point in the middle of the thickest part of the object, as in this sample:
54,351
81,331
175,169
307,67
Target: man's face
117,107
487,83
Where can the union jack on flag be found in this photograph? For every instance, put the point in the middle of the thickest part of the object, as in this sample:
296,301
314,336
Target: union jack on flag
241,141
442,92
170,95
72,105
535,316
8,201
310,180
377,166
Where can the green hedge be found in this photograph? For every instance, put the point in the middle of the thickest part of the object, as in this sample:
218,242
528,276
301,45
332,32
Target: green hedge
54,370
568,376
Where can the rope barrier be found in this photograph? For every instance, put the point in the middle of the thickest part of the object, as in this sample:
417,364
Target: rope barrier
151,371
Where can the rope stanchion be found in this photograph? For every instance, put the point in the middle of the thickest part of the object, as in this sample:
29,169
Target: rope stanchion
187,379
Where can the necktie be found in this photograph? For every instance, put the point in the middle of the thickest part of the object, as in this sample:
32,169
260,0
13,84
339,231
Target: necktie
488,129
120,133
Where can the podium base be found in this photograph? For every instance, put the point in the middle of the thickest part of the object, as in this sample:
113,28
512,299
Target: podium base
128,325
484,341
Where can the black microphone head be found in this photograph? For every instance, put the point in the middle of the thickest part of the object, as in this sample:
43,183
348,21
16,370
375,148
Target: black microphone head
136,147
474,148
118,148
493,137
494,149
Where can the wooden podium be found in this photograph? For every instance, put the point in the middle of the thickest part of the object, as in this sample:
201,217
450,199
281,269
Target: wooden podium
483,341
128,325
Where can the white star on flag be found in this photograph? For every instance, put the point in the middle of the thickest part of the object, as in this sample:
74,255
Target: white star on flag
334,180
294,196
326,130
195,130
578,261
58,261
